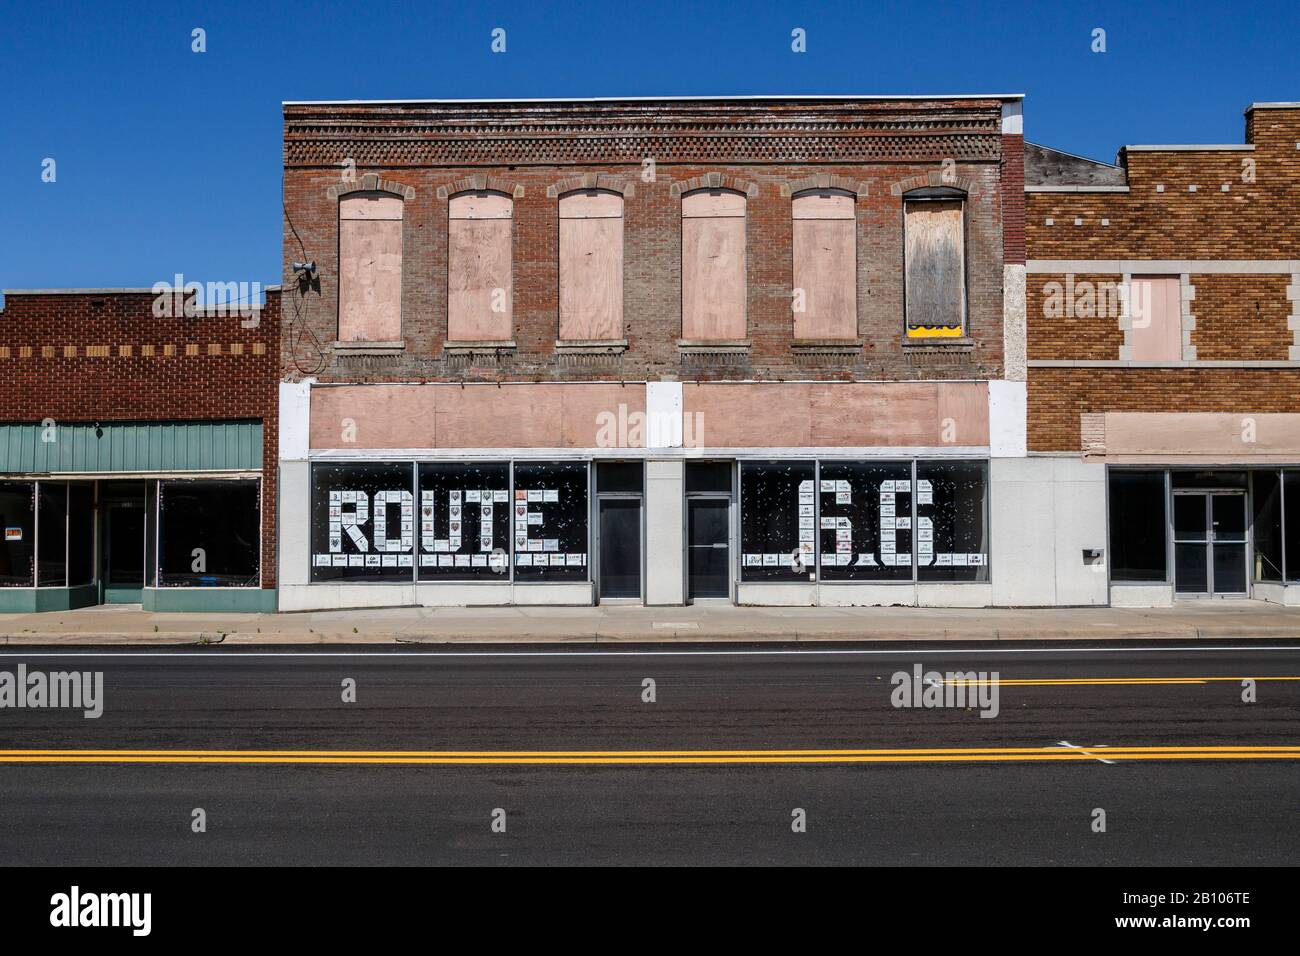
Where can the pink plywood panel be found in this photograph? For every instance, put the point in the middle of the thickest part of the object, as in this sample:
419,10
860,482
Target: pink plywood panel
511,417
593,414
707,203
884,415
480,205
966,406
857,414
479,276
370,280
822,204
373,416
591,279
936,285
591,204
1155,305
370,206
713,279
751,415
825,279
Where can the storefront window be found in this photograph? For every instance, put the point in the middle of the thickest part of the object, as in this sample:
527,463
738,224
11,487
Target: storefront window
778,521
865,521
81,533
951,521
464,528
363,522
52,531
1267,521
16,521
209,534
1291,520
1137,527
550,521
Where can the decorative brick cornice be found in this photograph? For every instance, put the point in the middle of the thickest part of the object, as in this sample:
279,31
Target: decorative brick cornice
825,181
624,187
934,178
479,182
714,181
370,183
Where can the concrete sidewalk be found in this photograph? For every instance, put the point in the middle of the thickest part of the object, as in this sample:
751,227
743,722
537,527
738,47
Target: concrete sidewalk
128,624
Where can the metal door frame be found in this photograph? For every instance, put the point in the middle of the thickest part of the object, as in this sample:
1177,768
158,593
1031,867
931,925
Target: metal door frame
1209,494
597,541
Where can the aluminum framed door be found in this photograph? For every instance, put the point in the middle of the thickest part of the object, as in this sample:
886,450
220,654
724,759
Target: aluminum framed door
1210,544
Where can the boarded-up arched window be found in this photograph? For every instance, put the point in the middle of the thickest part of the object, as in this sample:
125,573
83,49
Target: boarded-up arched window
370,267
480,293
825,299
935,250
713,265
591,266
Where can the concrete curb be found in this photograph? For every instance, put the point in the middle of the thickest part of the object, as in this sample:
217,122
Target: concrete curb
645,636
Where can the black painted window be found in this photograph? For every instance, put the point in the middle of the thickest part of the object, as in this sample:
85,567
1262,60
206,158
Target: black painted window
17,551
952,521
778,520
464,521
549,515
865,521
1138,535
363,524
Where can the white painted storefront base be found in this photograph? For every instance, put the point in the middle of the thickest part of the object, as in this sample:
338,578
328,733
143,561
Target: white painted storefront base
325,597
965,594
1141,595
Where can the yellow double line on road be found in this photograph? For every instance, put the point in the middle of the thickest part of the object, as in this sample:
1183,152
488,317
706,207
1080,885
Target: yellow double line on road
1102,681
648,757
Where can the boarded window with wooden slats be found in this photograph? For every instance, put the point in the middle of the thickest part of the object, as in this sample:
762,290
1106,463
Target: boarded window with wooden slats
713,266
935,249
824,300
591,266
480,293
370,268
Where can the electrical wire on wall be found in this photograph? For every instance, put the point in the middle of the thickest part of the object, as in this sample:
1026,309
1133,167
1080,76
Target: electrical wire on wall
307,280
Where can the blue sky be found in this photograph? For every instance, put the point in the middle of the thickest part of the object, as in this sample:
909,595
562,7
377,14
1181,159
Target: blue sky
169,161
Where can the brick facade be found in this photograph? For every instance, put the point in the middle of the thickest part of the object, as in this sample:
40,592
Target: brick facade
531,151
1226,221
87,357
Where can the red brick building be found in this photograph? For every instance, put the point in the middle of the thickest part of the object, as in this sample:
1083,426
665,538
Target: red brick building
757,349
137,450
1164,354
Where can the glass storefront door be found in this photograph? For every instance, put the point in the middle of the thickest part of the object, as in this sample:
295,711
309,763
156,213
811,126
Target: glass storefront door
1210,543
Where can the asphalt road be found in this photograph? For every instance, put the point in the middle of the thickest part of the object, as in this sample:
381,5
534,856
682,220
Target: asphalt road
587,771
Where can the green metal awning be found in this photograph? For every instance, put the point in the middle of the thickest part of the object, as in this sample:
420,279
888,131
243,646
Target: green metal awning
133,447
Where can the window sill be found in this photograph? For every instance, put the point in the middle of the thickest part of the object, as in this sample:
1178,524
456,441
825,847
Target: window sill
845,346
939,345
720,346
370,348
591,346
466,348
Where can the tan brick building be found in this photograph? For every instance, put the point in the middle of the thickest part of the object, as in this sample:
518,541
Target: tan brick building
662,350
1163,317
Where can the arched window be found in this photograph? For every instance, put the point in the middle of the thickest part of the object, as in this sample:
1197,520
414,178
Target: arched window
935,261
591,266
370,267
480,291
713,265
825,299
